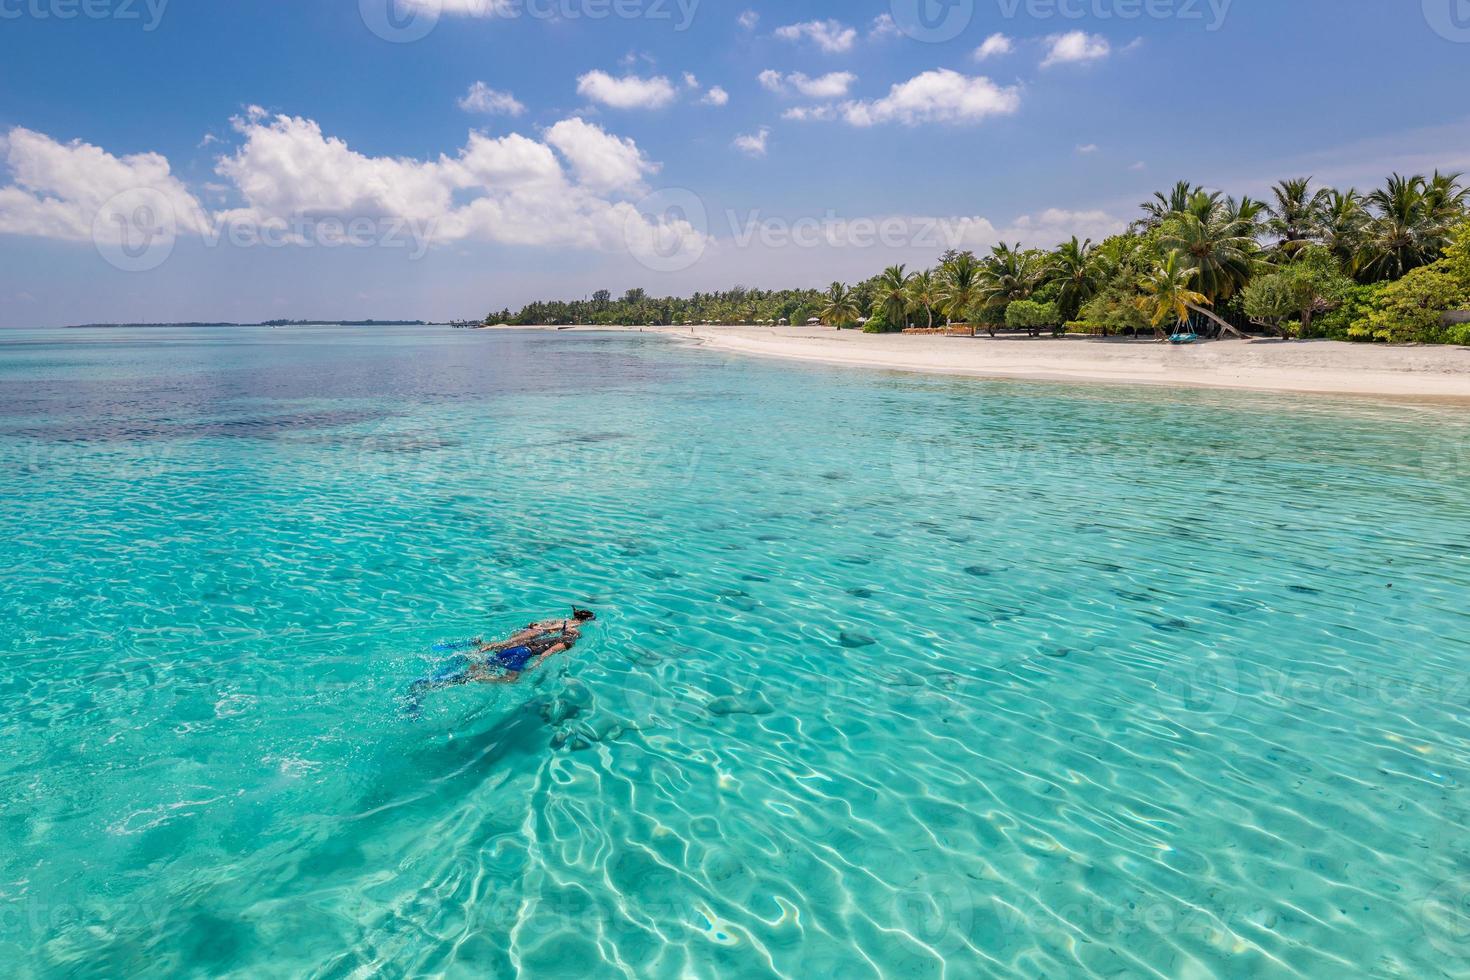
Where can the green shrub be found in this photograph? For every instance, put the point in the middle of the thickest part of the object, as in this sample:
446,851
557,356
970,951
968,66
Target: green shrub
1411,309
1290,297
1025,314
878,323
1336,324
1115,311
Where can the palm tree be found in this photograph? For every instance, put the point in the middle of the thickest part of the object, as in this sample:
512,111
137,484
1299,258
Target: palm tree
923,292
1296,214
838,308
1176,201
893,295
959,287
1401,237
1081,272
1216,243
1344,223
1010,274
1445,199
1167,292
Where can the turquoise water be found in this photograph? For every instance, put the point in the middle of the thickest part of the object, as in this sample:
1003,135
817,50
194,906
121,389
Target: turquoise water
894,676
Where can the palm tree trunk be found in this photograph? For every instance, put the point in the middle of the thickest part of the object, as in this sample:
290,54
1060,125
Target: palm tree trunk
1221,323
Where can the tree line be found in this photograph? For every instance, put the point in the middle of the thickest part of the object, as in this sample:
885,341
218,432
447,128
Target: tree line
1392,264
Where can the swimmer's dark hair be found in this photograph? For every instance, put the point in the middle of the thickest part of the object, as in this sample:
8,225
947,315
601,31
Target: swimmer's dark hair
583,615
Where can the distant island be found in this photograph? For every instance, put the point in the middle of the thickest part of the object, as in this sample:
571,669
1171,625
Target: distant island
265,323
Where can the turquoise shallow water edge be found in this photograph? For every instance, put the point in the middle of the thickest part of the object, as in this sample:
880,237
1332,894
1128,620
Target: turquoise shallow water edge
895,675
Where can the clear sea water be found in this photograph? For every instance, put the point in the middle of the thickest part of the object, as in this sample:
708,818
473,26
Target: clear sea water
895,675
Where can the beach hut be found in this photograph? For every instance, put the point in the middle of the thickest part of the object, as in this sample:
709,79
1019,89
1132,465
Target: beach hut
783,322
814,321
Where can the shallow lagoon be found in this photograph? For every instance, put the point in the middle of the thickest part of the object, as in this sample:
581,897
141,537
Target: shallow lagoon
895,675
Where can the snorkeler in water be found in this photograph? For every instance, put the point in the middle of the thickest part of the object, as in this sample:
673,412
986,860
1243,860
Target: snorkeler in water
504,662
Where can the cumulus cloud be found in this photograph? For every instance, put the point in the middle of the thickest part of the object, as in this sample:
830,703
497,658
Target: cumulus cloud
628,92
602,161
716,96
995,45
883,26
833,85
810,113
61,190
285,172
491,102
1075,47
831,36
748,20
940,96
1055,225
754,144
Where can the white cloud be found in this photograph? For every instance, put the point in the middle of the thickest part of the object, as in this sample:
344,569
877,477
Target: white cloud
1075,47
483,98
1087,148
813,113
995,45
833,85
690,80
884,26
60,188
286,172
754,144
510,190
748,20
716,96
1140,165
602,161
831,36
1055,225
628,92
940,96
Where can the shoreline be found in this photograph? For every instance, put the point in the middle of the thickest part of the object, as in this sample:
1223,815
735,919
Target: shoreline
1313,367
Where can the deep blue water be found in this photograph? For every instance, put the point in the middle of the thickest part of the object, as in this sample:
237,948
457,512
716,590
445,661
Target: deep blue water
894,675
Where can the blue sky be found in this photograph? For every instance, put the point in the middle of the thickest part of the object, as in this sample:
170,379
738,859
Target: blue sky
201,161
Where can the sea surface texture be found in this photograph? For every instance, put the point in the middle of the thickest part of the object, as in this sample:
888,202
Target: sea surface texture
893,676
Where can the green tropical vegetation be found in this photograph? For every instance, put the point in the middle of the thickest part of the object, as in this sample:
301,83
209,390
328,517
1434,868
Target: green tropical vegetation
1392,264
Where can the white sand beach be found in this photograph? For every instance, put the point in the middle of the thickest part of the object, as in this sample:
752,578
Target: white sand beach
1314,366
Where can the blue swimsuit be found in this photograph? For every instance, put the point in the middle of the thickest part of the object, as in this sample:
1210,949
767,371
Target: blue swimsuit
515,659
